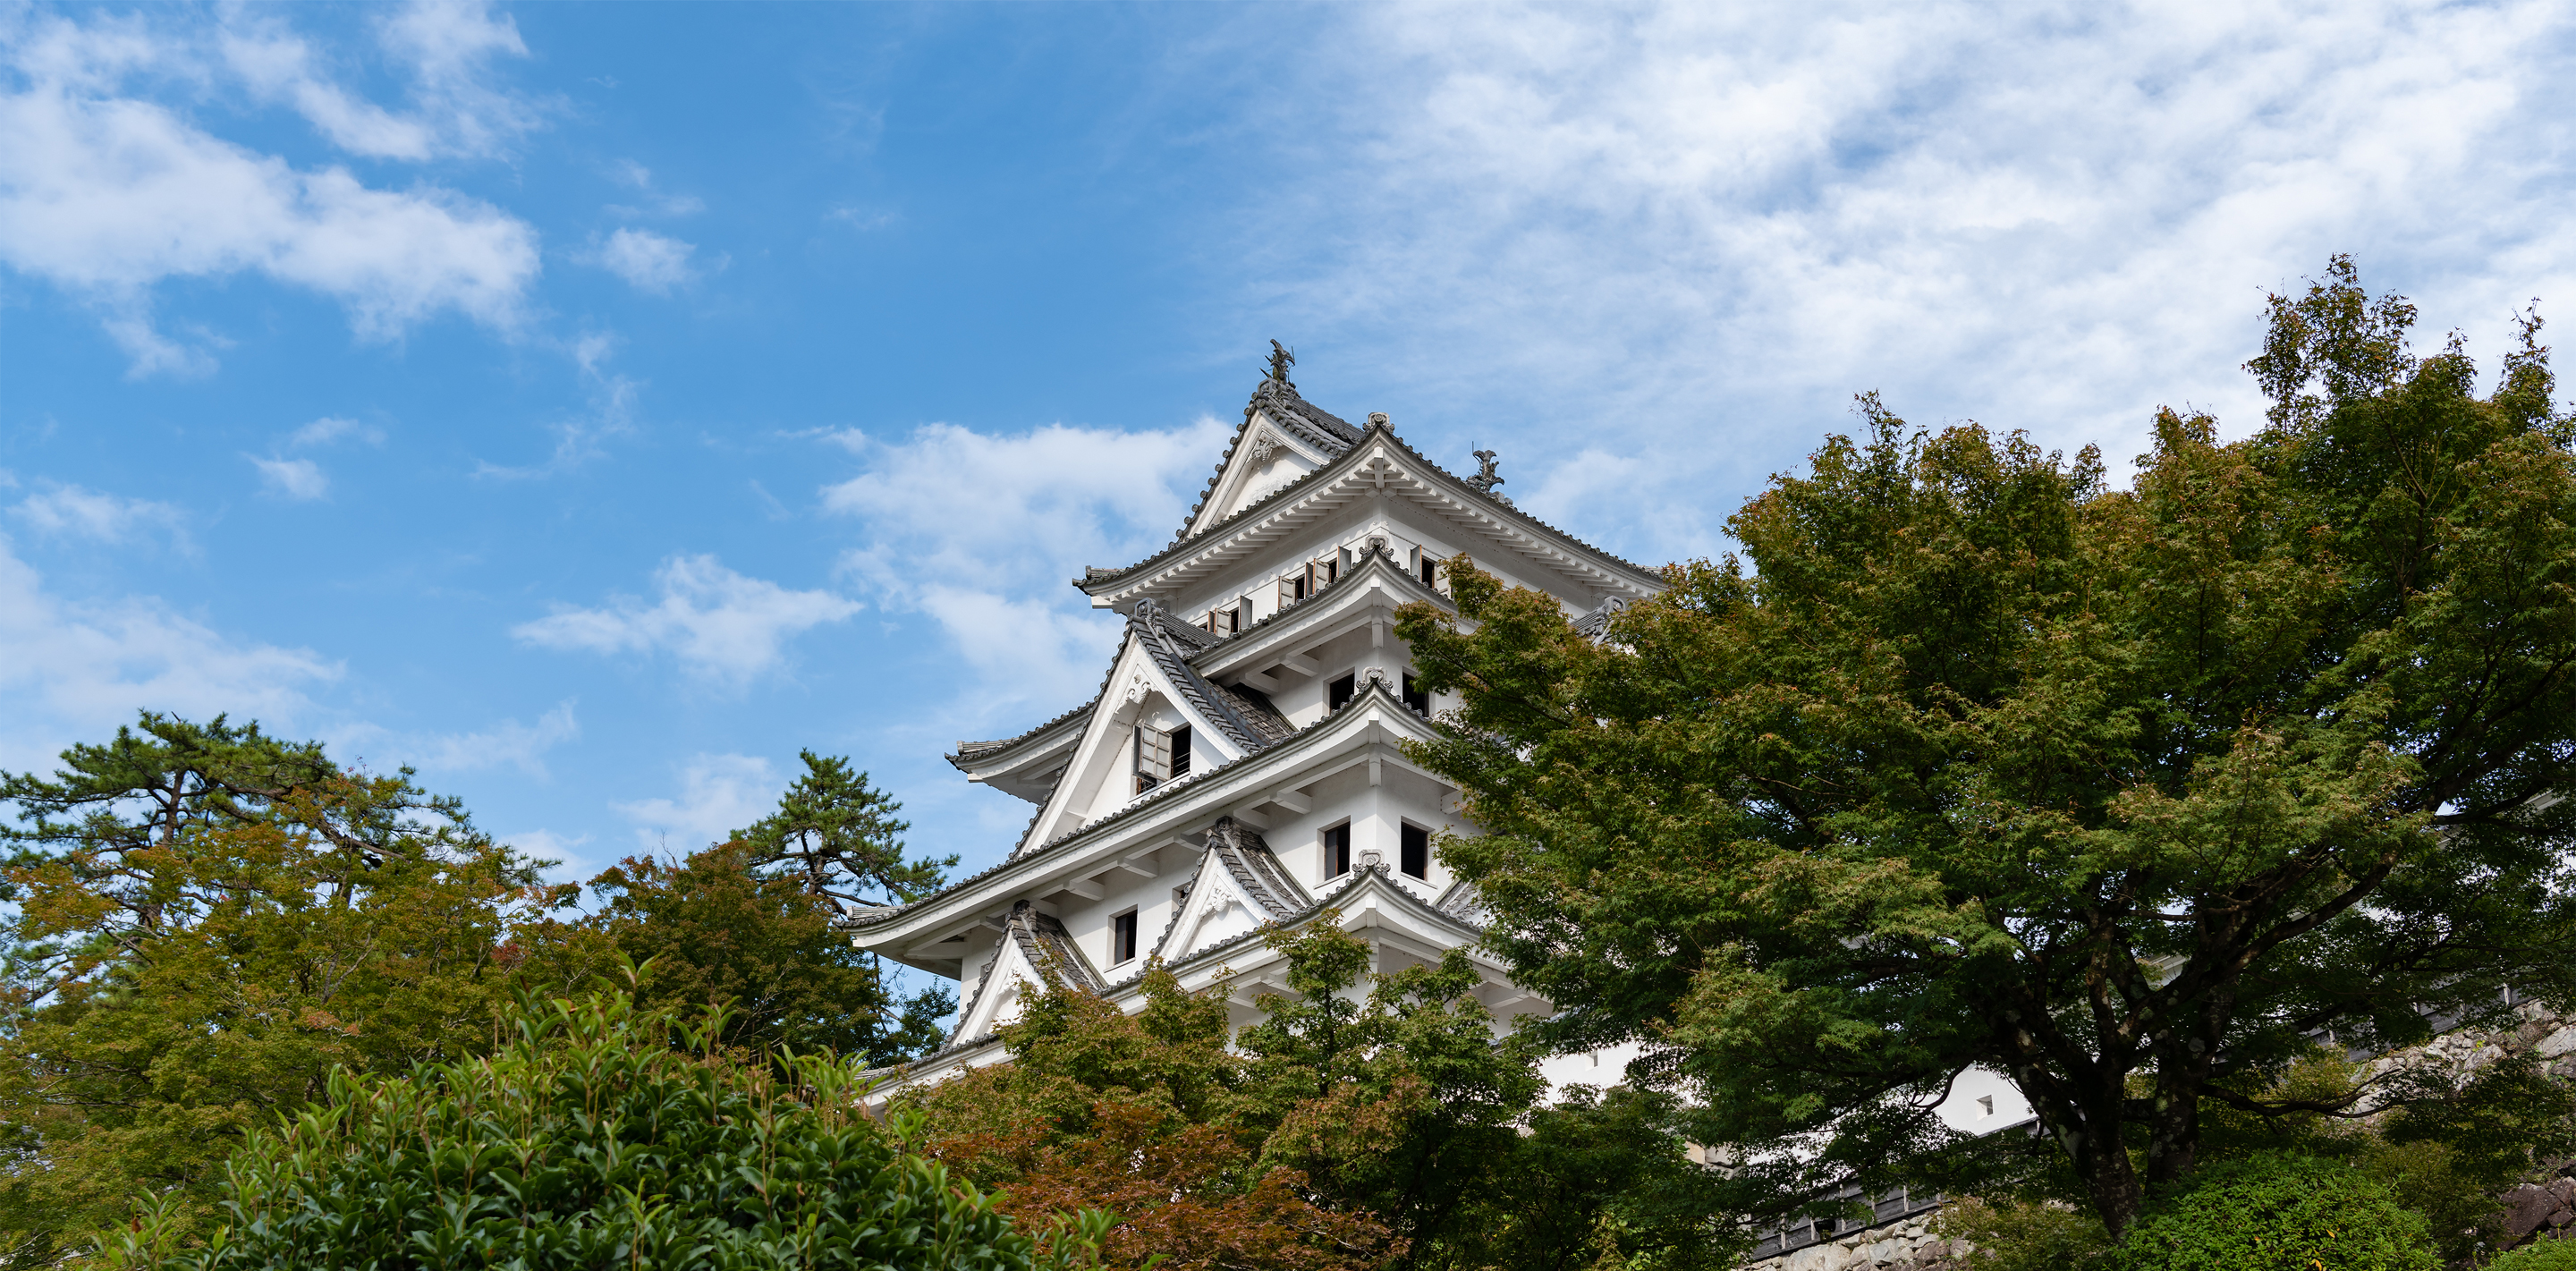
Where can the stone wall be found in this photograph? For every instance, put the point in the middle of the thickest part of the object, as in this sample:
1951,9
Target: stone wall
1899,1246
2535,1212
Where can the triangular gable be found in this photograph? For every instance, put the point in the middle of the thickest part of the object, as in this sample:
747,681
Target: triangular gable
1152,665
1264,457
1036,951
1283,438
1239,886
1381,466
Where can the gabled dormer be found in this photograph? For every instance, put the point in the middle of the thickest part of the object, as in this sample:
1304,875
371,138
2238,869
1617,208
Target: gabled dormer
1376,488
1157,721
1239,887
1035,951
1283,437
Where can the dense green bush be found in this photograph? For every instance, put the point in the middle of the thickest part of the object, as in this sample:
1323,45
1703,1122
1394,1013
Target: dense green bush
2010,1235
2549,1255
592,1140
2278,1213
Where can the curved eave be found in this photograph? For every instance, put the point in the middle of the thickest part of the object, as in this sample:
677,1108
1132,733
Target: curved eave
1220,536
990,756
1065,851
1285,626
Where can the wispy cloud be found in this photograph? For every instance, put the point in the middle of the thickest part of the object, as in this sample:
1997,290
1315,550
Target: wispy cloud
300,479
73,670
71,511
579,438
646,260
719,793
1693,231
506,744
979,532
722,626
331,428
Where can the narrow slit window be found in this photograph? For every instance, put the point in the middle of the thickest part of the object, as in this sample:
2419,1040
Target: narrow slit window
1178,742
1426,567
1416,851
1122,937
1337,851
1416,696
1339,693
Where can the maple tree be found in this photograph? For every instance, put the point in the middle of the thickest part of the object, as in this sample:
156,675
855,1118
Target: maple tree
1343,1130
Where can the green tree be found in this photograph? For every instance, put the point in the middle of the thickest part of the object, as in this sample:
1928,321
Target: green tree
2128,794
599,1137
209,921
719,932
1343,1130
839,836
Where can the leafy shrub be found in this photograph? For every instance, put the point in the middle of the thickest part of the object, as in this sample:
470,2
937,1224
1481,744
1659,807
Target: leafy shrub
2278,1213
2022,1235
2548,1255
592,1141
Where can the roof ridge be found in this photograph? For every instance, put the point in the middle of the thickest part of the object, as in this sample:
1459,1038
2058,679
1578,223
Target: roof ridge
1094,574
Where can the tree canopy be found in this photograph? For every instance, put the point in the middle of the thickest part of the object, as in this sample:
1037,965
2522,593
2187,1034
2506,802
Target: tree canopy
600,1136
1363,1121
209,921
2135,795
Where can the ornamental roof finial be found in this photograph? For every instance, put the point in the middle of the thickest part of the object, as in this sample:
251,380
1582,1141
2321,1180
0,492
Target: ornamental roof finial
1485,479
1281,358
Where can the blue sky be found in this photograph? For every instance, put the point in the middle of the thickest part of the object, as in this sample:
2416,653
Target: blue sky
593,405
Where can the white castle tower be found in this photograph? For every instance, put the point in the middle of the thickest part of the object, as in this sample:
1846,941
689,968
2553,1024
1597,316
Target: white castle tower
1240,765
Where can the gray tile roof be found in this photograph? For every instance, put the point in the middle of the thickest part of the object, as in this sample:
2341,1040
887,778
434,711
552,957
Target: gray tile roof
970,753
1248,718
1094,575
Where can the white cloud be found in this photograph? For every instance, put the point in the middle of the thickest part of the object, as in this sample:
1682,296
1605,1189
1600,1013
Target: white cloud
70,511
980,532
1693,231
331,428
292,478
73,670
108,194
511,743
721,625
578,438
718,795
646,260
546,845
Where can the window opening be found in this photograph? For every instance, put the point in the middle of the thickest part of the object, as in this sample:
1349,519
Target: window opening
1178,740
1339,693
1337,850
1153,757
1417,697
1416,852
1122,937
1426,567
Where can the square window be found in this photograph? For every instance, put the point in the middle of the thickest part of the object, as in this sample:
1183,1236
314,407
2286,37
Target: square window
1122,937
1416,852
1337,850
